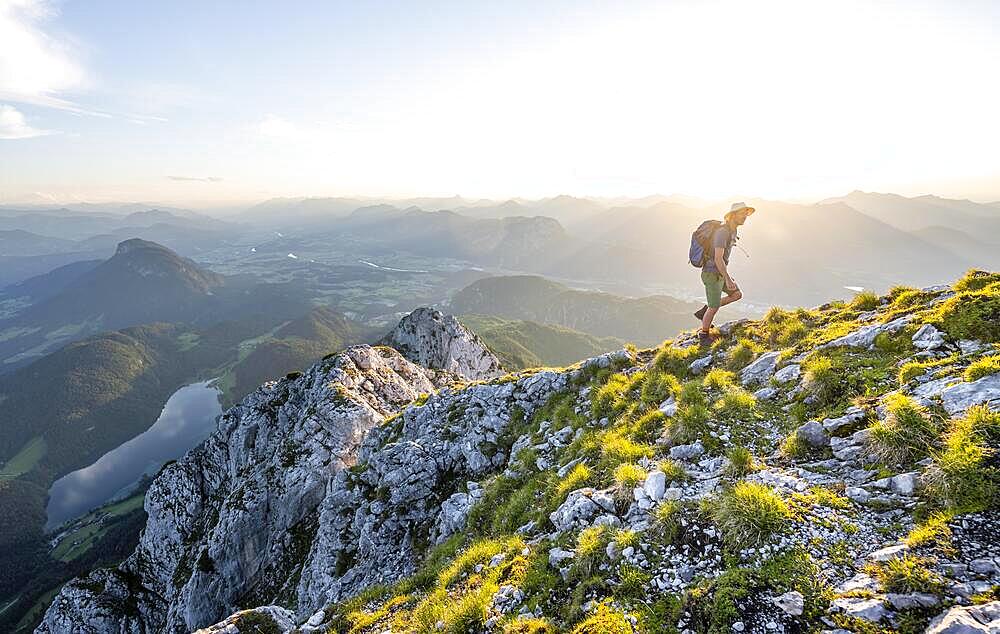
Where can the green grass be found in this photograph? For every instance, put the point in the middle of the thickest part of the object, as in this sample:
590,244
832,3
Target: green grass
906,574
906,434
629,476
528,625
912,369
24,460
736,404
741,462
605,620
865,301
934,533
983,367
971,314
658,386
743,353
749,513
964,476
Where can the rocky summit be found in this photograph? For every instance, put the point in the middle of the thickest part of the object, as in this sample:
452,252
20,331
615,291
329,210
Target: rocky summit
833,469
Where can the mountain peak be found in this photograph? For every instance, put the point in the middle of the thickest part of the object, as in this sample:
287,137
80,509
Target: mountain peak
434,340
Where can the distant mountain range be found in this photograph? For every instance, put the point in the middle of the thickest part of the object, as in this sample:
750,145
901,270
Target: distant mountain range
646,320
528,344
143,282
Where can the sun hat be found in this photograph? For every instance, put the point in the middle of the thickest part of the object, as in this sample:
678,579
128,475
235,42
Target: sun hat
738,207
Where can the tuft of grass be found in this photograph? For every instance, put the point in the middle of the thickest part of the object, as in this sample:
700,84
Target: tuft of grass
864,301
578,477
964,476
625,537
905,435
906,574
611,398
971,314
741,462
674,470
912,369
782,327
675,361
690,422
479,552
616,449
667,521
628,476
658,386
793,446
605,620
632,582
982,367
736,403
743,353
749,513
934,533
591,551
975,280
822,378
718,379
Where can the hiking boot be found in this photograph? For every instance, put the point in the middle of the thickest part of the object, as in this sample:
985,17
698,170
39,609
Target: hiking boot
700,313
708,338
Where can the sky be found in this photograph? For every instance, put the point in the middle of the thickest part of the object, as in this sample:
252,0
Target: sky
201,102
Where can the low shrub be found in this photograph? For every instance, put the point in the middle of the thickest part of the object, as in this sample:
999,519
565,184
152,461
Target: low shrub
905,435
749,513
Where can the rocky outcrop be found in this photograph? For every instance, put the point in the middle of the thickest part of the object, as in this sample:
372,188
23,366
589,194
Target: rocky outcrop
231,522
435,340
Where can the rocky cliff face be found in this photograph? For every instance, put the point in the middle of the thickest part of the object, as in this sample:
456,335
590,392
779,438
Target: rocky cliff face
435,340
833,469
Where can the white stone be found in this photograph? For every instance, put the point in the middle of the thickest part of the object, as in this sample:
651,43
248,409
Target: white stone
973,619
700,365
792,603
655,485
984,391
788,373
864,337
760,370
928,337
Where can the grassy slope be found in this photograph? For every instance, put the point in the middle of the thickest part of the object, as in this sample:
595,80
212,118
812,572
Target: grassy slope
454,590
527,344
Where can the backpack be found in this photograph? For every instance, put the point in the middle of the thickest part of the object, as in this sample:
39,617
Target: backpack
701,243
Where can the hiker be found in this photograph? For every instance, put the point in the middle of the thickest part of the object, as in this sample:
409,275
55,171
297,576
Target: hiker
710,248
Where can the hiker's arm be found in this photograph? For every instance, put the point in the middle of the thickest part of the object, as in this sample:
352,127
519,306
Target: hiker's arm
720,263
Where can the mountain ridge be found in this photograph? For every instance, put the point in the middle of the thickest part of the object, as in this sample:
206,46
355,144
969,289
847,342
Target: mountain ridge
567,499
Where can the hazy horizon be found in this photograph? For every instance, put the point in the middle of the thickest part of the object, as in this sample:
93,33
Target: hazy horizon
222,103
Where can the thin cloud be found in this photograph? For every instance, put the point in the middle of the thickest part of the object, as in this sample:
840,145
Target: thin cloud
200,179
13,125
35,66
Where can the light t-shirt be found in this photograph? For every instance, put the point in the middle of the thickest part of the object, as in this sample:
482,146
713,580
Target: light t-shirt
722,239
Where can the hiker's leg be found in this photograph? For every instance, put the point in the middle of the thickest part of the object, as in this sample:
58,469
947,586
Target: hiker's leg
732,297
706,321
713,297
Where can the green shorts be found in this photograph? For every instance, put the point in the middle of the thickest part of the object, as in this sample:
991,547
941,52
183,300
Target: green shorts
713,288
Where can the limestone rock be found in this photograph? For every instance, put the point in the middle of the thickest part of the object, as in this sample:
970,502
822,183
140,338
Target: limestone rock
813,434
984,391
760,370
434,340
250,621
791,603
928,338
788,373
864,337
973,619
